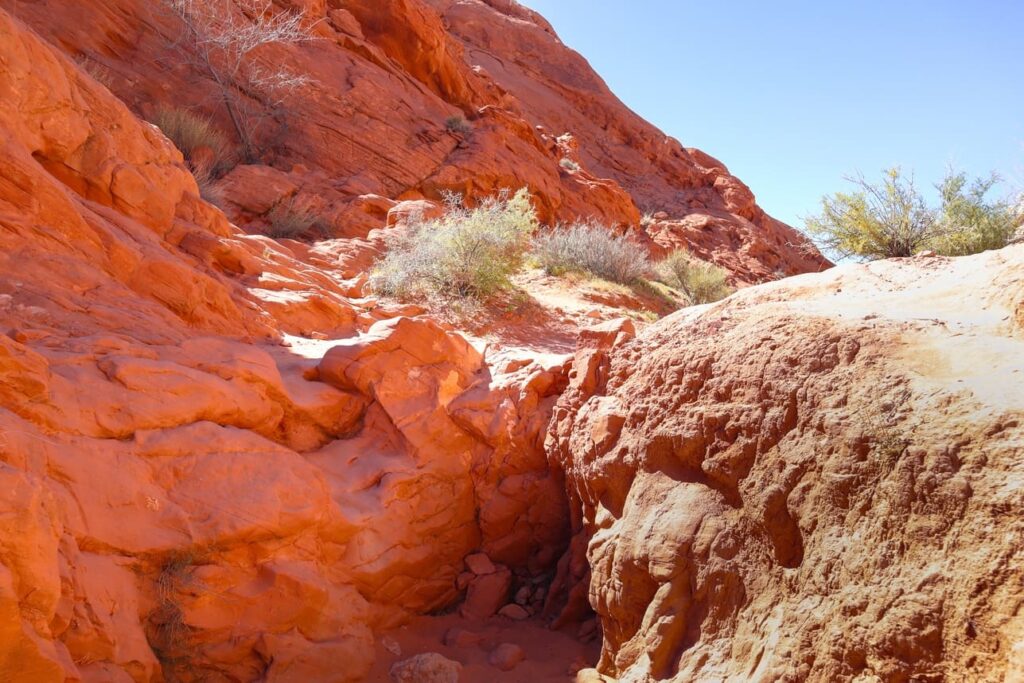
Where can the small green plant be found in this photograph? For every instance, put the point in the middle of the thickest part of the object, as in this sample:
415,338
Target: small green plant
204,146
569,165
702,282
467,253
459,125
592,249
292,218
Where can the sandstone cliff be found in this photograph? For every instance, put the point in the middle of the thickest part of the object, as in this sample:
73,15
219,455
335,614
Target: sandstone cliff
387,76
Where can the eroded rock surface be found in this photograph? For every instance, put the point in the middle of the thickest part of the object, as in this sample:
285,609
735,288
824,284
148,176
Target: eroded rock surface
388,76
219,463
814,480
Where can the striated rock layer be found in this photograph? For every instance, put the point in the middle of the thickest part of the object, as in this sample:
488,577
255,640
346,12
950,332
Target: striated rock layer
816,480
387,77
198,483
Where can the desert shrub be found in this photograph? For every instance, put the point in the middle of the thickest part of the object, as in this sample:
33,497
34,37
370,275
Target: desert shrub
466,253
968,221
457,124
647,220
223,40
569,165
892,219
209,191
292,219
702,282
590,248
191,133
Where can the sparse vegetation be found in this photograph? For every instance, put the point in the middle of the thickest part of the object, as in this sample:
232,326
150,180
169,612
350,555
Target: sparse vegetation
223,40
647,220
99,73
168,635
569,165
968,222
292,218
467,253
593,249
209,191
892,219
702,282
206,148
458,125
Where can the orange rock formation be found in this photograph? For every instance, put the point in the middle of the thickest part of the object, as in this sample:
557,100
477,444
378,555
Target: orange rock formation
222,460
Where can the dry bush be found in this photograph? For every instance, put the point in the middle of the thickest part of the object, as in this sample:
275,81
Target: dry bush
458,125
193,134
702,282
467,253
223,40
293,218
591,248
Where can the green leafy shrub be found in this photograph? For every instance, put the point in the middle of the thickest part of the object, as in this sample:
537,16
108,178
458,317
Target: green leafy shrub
569,165
469,253
292,219
193,134
969,223
591,248
702,282
891,218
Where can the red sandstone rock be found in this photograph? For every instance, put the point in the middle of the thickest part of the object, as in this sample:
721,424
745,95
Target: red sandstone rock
760,455
514,612
460,637
426,668
218,458
487,594
506,656
479,564
388,75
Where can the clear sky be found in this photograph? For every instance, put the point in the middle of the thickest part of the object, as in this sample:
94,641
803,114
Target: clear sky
793,94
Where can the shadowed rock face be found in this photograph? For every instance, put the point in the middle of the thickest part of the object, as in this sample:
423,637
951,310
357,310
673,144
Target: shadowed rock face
810,481
387,77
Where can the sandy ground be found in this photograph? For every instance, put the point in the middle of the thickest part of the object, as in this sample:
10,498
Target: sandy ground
551,656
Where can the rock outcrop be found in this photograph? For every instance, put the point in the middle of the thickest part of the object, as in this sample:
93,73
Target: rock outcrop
217,463
816,480
388,77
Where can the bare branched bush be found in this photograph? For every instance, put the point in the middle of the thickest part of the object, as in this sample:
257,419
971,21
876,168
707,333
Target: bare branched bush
467,253
222,39
702,282
591,248
293,218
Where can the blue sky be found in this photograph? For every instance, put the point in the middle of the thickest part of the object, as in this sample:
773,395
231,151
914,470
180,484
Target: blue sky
793,95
